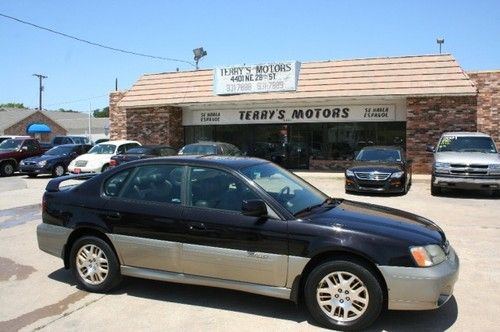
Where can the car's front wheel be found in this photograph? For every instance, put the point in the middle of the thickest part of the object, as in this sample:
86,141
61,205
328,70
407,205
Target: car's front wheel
343,295
58,170
94,264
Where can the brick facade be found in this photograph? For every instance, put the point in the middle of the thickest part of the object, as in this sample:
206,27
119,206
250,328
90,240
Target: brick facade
117,117
20,127
488,102
428,117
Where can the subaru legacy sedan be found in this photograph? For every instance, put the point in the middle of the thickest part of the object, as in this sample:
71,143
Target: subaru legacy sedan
246,224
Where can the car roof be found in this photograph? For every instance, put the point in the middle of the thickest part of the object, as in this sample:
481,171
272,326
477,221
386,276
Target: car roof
69,145
208,143
154,146
382,147
465,133
207,160
119,142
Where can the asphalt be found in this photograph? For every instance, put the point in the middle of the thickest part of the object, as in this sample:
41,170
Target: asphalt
37,293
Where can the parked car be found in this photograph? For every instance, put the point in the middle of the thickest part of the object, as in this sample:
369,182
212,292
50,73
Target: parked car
380,169
6,137
465,160
246,224
206,148
71,139
101,140
98,158
55,161
142,152
12,151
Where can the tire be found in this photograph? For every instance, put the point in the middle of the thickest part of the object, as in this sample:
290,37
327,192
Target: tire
435,190
83,259
369,302
58,170
32,175
7,169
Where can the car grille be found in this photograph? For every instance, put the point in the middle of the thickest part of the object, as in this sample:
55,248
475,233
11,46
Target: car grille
30,163
375,176
468,170
80,163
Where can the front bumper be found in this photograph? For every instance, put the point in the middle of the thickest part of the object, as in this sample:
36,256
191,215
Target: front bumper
73,169
372,186
34,169
417,288
466,183
52,238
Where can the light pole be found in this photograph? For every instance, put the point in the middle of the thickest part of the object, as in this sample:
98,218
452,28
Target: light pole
440,41
198,54
40,77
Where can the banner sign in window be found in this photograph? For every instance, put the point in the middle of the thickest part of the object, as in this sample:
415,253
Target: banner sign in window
267,77
353,113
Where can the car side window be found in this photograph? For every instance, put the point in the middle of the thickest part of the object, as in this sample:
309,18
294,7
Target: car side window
155,183
167,152
114,184
212,188
30,145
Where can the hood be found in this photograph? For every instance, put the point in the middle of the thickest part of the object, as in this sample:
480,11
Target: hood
43,157
467,158
380,220
369,166
90,157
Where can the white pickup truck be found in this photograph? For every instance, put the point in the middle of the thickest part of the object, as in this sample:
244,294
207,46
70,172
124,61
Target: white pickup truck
465,160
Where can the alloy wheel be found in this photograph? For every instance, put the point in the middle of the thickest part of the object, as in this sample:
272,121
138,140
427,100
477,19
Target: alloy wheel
342,296
92,264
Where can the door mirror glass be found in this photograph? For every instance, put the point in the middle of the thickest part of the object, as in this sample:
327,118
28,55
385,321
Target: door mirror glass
430,148
254,208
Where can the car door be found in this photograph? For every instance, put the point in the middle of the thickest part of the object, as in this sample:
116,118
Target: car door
223,243
144,212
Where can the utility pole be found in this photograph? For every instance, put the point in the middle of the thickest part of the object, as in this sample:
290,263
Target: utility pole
40,77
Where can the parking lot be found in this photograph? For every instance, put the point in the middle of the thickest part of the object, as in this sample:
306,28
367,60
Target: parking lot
37,293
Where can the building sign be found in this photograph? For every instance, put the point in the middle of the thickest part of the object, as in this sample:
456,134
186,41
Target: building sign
267,77
353,113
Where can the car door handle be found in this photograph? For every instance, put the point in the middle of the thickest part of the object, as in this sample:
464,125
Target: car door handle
197,227
113,216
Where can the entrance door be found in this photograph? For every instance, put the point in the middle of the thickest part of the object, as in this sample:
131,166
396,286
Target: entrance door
223,243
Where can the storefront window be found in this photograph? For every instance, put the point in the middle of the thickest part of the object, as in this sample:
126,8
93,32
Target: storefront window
292,145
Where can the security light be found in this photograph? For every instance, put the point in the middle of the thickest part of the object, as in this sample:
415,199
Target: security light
198,54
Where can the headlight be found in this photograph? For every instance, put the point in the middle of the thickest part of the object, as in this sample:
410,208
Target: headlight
428,255
21,162
397,175
441,165
348,172
495,167
42,163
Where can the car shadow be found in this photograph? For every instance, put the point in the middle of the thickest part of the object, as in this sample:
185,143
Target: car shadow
468,194
224,299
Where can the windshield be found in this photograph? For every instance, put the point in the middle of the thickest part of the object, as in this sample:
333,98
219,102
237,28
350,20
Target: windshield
141,150
290,191
198,149
11,144
59,150
103,149
466,144
379,155
80,140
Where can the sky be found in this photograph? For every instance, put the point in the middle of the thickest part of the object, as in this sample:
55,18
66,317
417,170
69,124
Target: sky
81,76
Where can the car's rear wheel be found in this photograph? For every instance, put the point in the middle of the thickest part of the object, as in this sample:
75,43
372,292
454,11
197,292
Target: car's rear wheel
435,190
343,295
7,169
58,170
94,264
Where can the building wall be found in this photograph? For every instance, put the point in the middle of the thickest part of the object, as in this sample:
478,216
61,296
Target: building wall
156,125
488,102
428,117
19,128
117,117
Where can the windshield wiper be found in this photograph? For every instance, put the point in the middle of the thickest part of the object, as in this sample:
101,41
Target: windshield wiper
327,201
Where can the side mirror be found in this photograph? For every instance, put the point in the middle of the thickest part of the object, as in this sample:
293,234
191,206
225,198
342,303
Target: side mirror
24,148
254,208
430,148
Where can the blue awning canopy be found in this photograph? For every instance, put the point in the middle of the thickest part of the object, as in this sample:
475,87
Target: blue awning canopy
38,128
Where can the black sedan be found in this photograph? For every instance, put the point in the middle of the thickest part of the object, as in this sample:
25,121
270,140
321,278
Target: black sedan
142,152
379,169
246,224
55,161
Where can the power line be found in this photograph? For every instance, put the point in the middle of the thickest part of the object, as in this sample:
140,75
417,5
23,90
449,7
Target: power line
96,44
78,100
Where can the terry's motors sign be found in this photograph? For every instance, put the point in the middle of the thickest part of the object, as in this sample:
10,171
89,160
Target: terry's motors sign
267,77
353,113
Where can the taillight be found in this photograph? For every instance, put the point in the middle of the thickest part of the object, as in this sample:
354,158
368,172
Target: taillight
112,162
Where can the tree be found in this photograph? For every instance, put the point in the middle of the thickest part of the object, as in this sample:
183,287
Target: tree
102,113
12,105
65,110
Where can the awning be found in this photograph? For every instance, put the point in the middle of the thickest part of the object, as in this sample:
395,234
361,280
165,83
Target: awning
38,128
